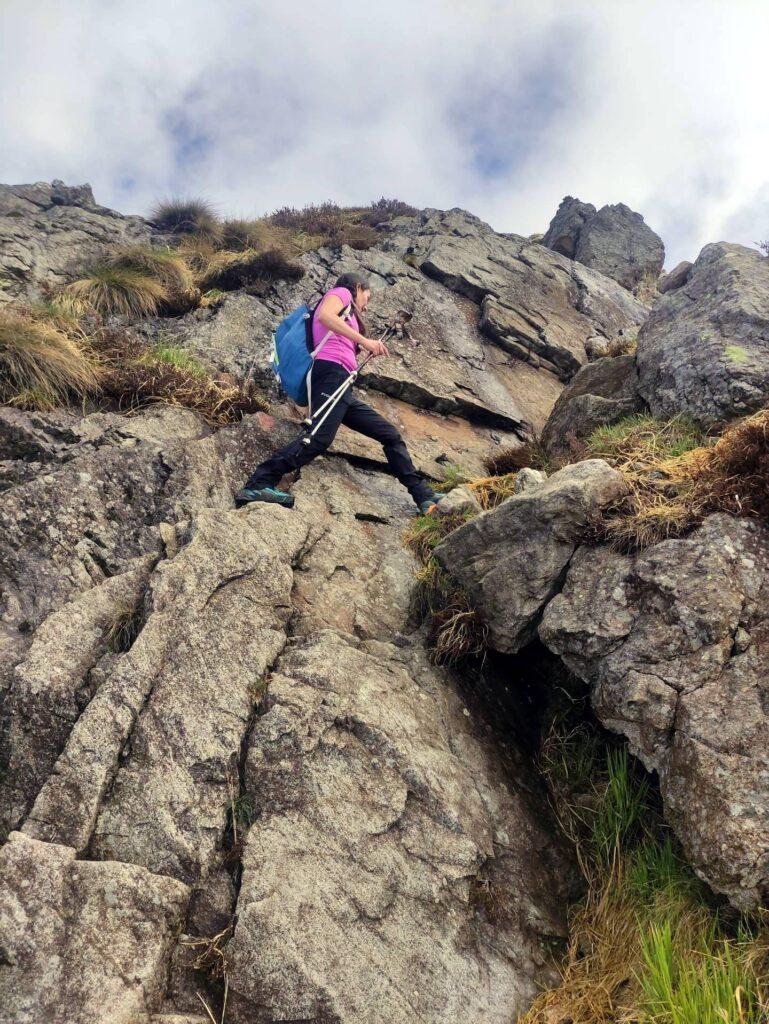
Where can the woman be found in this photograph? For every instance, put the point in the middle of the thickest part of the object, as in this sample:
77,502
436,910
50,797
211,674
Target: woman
335,360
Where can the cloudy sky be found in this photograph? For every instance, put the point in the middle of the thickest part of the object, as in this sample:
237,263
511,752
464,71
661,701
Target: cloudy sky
499,107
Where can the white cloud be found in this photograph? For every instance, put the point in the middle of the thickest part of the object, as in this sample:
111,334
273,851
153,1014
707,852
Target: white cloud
501,107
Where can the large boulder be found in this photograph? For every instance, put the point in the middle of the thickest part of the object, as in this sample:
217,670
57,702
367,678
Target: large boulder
675,645
362,758
613,240
704,350
47,231
602,392
677,277
511,559
82,942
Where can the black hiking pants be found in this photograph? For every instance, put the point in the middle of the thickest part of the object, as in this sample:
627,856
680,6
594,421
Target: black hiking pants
353,413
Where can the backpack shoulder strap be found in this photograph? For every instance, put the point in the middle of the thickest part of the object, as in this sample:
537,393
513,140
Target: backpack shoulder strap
344,313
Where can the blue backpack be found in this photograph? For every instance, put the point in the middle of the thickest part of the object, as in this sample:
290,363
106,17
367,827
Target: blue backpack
292,351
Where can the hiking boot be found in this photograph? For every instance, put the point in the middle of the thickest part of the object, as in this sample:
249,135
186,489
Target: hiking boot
429,505
270,494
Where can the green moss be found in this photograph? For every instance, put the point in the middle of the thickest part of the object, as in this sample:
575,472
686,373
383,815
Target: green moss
736,354
178,357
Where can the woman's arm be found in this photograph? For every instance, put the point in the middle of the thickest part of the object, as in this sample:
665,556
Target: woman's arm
328,316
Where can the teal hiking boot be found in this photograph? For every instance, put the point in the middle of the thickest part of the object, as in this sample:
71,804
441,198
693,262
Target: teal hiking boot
429,505
269,494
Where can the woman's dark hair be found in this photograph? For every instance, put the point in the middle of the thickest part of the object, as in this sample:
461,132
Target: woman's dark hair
353,282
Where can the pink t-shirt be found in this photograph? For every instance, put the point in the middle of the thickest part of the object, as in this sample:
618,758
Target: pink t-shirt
336,349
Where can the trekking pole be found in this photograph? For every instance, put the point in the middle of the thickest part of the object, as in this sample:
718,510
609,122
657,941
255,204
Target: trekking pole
336,395
328,406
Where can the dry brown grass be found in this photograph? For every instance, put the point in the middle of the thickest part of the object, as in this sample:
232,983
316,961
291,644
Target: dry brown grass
674,485
135,376
492,490
41,366
622,345
136,281
455,630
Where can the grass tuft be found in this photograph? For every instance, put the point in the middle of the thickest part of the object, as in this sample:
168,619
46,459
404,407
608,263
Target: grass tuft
455,630
194,216
177,357
509,460
678,475
118,290
384,210
137,281
493,490
42,367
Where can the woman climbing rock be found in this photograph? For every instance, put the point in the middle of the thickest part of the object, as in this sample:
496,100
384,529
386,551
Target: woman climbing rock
338,341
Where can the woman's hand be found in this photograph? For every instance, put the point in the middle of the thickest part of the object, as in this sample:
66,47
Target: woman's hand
376,348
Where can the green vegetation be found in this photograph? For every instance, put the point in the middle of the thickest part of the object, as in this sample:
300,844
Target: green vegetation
453,476
178,357
648,943
455,631
736,354
134,376
678,474
642,440
41,366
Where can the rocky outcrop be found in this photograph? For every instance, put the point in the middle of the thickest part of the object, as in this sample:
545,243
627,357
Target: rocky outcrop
602,392
542,308
47,231
232,668
673,642
677,277
566,226
512,559
613,240
704,351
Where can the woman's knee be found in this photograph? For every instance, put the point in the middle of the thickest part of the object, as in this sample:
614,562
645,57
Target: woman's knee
390,436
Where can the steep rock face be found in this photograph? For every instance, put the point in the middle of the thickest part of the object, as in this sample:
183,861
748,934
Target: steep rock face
613,240
382,812
536,304
380,825
704,350
674,644
512,558
48,230
602,392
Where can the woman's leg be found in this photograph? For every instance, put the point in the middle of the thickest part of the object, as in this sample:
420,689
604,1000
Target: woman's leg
361,417
325,379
